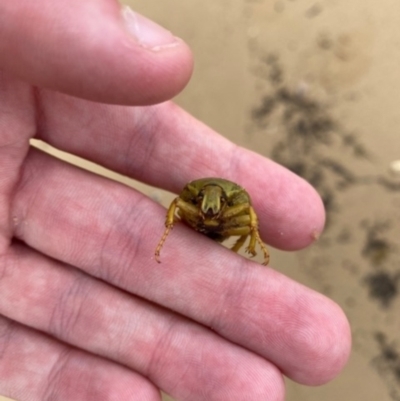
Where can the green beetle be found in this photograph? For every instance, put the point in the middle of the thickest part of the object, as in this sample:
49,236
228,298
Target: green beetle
219,209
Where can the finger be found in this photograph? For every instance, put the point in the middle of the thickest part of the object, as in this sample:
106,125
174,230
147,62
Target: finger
187,361
31,361
111,232
93,49
166,147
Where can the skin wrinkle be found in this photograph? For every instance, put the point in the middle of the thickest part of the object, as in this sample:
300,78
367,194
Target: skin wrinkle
212,385
155,367
238,282
299,335
63,319
6,336
111,275
52,389
15,357
207,390
180,379
27,174
141,139
9,359
119,341
129,245
243,303
20,220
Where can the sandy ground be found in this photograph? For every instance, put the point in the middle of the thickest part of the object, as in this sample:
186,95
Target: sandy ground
315,86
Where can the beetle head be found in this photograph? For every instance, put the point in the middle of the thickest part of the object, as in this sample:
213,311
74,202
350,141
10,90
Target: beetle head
212,200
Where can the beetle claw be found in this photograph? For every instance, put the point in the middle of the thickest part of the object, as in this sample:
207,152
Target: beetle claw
251,251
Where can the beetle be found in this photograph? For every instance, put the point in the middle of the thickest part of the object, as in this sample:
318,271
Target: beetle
219,209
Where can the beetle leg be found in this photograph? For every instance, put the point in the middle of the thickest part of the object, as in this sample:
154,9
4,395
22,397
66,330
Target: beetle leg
239,243
237,222
246,225
255,237
169,223
185,209
239,227
234,210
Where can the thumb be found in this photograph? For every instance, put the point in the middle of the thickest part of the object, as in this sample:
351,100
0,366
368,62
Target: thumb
94,49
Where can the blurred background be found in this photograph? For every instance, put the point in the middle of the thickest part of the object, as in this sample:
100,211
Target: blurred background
314,85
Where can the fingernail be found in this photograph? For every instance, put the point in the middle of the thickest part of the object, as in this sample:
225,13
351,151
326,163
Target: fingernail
146,32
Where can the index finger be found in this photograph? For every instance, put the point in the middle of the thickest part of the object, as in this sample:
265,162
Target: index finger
166,147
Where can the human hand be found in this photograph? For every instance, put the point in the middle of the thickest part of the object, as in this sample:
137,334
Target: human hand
86,312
